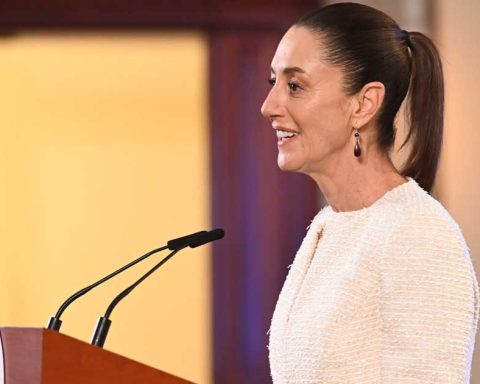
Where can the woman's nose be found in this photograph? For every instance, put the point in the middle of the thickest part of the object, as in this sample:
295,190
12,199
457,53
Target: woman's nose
270,107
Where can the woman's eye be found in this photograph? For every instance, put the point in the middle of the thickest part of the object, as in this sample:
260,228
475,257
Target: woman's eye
271,81
294,87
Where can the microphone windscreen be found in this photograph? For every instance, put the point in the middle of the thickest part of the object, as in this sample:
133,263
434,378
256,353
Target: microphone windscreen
183,241
214,234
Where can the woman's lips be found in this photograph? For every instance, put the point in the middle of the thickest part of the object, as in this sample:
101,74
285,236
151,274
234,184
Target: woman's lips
286,140
285,135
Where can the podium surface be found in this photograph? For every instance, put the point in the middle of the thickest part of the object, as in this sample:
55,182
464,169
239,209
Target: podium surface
43,356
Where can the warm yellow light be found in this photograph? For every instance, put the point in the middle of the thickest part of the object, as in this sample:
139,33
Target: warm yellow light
104,149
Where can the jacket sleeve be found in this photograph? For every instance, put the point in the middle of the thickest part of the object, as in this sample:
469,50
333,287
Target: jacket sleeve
429,304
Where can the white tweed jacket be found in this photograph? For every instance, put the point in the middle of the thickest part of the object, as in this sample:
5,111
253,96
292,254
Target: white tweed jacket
383,295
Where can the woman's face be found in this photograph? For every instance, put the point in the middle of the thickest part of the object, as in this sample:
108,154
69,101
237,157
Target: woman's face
307,106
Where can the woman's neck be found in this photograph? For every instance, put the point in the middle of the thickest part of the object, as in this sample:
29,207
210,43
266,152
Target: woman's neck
358,183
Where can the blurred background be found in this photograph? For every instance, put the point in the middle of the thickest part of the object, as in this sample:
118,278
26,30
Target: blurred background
126,124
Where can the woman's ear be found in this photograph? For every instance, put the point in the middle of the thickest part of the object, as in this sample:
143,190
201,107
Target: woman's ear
369,100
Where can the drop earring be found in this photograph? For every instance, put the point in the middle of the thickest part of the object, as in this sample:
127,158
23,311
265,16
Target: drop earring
357,151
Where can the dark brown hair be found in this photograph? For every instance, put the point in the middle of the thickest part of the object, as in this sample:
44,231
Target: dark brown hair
369,46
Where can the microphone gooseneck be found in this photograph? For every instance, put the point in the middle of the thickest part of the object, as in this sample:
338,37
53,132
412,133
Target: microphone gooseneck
175,244
103,325
104,322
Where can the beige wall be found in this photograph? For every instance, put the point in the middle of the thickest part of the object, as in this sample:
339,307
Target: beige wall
104,147
458,31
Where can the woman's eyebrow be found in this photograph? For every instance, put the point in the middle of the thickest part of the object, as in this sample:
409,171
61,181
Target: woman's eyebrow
289,70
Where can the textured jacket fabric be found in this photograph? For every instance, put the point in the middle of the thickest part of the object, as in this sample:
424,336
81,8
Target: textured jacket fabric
386,294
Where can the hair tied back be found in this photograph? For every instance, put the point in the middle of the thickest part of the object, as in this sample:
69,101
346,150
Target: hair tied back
405,35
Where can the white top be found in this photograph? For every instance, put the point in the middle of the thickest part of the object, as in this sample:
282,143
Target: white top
386,294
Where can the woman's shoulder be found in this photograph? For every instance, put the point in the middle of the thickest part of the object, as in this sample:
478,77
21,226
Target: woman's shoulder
418,215
425,242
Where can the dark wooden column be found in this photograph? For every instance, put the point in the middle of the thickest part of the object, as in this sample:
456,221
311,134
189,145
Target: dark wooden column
263,210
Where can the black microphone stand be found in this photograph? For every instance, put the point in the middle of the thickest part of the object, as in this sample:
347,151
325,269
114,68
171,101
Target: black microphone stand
104,322
175,244
103,325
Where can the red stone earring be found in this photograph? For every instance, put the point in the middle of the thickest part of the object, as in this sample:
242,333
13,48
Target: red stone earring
357,151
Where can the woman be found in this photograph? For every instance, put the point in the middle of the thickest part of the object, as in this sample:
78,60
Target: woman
382,289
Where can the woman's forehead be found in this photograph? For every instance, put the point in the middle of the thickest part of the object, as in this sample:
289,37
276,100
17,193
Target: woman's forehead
299,48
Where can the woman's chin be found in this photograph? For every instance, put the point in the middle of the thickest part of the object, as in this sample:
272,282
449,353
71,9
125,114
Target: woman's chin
286,163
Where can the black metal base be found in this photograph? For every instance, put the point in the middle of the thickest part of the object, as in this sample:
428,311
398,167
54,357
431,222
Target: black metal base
101,332
54,324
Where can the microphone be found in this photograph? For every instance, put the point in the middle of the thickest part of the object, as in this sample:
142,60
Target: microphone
174,245
213,235
103,324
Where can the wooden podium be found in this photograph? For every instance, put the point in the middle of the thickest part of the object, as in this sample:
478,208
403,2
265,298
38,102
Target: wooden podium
42,356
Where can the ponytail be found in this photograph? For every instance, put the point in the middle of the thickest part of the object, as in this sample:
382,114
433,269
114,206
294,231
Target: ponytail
425,111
